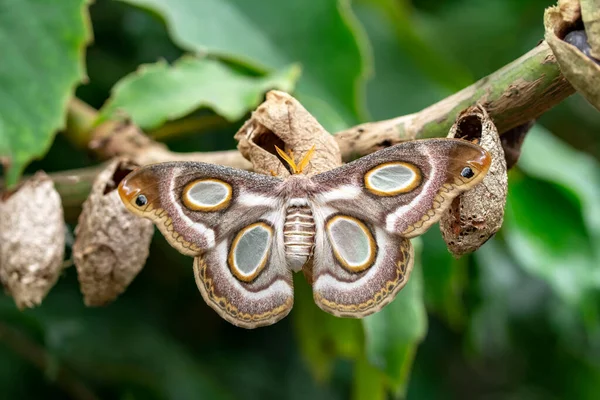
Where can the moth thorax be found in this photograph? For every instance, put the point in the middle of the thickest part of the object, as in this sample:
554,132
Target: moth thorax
298,236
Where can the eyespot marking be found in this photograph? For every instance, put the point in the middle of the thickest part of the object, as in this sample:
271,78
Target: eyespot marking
390,179
249,251
207,195
141,200
352,243
467,172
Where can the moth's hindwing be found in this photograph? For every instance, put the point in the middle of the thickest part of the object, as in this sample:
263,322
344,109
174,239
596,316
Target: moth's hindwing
245,278
195,205
405,188
358,267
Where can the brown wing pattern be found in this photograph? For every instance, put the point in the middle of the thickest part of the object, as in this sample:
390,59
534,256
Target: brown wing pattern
347,289
190,227
367,210
405,188
256,299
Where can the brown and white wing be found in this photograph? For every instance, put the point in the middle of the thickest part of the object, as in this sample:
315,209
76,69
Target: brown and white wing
404,188
244,278
195,205
358,267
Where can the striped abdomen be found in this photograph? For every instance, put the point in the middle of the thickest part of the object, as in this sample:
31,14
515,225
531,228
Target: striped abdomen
298,236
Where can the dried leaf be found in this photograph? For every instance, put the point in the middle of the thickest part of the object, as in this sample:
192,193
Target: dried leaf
283,122
477,214
32,240
122,138
570,10
590,14
579,69
111,244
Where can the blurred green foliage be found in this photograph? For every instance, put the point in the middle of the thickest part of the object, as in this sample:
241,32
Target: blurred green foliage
41,63
518,319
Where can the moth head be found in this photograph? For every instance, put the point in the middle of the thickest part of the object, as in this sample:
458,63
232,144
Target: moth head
138,191
471,162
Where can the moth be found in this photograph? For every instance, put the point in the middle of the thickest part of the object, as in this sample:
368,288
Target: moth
347,229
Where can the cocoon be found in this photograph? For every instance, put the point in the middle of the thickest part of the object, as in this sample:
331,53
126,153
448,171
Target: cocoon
477,214
111,244
32,240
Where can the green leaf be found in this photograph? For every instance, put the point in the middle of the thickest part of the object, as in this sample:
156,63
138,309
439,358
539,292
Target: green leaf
552,223
42,46
545,232
444,280
369,381
491,24
393,334
503,287
546,157
268,35
553,216
407,74
160,92
321,336
398,86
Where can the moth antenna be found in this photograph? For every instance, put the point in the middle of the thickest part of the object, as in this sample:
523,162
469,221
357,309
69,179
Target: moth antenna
282,153
287,159
295,166
306,159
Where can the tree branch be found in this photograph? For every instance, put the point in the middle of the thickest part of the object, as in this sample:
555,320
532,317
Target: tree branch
513,96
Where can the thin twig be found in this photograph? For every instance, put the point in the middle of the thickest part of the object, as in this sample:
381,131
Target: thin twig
188,125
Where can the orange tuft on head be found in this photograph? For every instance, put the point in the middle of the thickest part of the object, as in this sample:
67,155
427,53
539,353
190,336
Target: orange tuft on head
289,159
